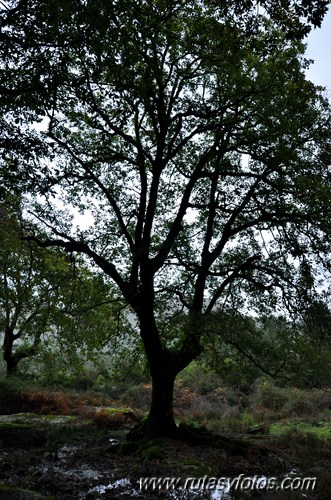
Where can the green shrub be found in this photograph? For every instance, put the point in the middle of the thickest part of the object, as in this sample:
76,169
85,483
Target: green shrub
299,403
269,402
200,378
267,394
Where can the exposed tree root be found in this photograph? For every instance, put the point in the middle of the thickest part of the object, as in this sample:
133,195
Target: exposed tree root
142,433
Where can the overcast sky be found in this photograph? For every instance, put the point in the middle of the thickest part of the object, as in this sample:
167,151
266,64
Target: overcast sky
319,49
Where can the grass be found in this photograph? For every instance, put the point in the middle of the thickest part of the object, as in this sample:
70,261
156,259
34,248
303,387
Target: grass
9,425
307,448
321,430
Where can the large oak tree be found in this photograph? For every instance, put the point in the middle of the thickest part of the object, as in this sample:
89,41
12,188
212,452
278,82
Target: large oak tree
188,133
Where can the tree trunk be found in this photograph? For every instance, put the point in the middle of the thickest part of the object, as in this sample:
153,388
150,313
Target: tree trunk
11,365
160,420
11,357
164,367
7,347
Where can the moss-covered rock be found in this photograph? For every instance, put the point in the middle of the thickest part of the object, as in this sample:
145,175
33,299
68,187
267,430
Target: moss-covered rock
152,451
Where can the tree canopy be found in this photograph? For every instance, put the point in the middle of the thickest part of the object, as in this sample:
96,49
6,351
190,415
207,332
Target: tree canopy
189,136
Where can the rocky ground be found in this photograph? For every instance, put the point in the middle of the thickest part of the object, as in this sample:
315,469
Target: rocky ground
74,458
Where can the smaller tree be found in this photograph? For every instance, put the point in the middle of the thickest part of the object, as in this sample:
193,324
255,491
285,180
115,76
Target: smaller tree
46,294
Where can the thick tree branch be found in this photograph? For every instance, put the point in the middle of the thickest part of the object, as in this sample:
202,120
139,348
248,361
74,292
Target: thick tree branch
103,189
236,273
71,245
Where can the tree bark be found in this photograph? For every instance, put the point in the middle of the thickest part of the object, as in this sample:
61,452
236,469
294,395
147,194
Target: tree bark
164,366
11,363
11,357
160,420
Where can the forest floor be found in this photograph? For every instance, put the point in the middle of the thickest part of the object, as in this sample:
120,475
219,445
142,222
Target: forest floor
75,447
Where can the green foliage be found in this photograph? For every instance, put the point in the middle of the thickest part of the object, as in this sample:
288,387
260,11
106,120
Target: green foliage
50,302
241,348
225,407
200,377
179,80
14,385
268,395
271,402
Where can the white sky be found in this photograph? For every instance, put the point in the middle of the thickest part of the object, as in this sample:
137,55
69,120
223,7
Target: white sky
319,49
